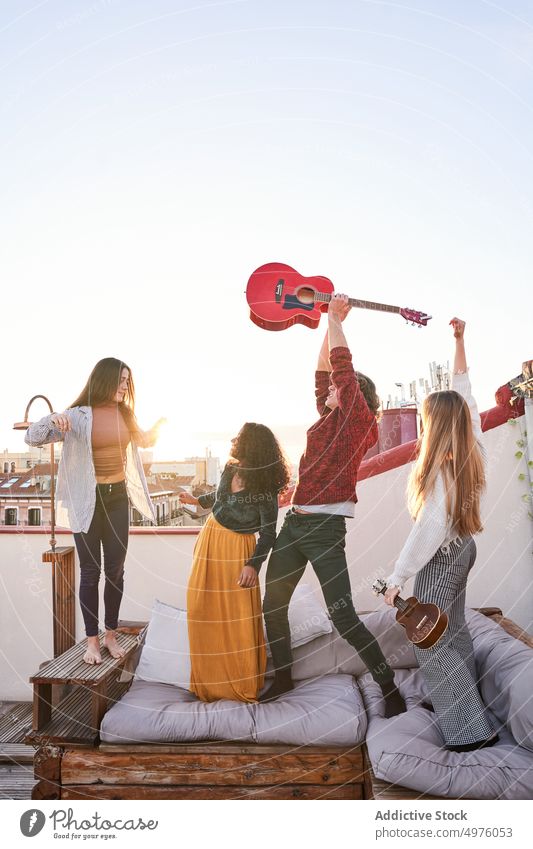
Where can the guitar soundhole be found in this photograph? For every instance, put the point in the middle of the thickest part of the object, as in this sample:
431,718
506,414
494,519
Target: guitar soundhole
306,295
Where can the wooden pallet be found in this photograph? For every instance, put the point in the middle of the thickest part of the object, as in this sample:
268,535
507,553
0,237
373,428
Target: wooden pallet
16,781
72,719
79,769
16,759
15,722
208,771
513,629
69,670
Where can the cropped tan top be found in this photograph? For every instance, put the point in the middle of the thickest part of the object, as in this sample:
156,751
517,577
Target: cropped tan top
110,437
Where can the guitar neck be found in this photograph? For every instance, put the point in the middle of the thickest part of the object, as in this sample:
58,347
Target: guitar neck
325,298
400,604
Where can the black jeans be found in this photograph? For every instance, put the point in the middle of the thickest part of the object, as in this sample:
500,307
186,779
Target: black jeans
108,531
320,539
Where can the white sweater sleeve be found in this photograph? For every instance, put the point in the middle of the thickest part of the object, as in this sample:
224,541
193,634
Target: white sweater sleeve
429,532
461,384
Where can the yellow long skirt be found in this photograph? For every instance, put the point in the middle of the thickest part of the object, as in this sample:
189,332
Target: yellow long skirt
227,644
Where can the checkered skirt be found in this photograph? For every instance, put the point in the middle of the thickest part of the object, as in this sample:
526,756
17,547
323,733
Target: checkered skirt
448,667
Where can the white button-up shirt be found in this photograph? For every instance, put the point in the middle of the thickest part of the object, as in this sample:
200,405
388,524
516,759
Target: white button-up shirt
76,479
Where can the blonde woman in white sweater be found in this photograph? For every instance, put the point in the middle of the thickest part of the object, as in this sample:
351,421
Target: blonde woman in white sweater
443,495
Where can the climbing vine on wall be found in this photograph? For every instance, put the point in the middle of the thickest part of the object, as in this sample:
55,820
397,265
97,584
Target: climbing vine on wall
521,454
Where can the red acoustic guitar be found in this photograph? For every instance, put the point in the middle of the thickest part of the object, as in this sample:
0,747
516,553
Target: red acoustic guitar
278,297
424,623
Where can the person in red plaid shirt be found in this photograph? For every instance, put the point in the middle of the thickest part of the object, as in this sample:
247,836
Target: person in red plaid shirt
325,495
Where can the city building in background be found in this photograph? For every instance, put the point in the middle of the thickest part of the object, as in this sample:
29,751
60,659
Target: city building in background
12,462
25,495
25,489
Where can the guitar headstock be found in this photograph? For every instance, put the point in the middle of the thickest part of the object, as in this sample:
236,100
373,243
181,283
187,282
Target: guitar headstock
379,586
416,317
522,386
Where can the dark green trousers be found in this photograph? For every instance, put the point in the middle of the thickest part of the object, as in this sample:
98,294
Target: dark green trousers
319,539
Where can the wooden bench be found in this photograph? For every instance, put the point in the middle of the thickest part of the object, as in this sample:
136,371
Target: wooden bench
90,691
71,764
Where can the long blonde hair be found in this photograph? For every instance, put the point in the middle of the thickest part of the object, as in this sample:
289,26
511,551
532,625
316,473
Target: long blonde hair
448,446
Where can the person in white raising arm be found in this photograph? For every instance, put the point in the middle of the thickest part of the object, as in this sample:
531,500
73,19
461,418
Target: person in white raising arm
443,495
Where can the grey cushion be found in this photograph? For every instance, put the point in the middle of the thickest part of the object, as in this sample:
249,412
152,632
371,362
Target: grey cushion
325,711
151,712
505,668
408,750
328,711
331,653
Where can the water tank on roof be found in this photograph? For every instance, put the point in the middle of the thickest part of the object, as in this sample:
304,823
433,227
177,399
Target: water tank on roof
394,428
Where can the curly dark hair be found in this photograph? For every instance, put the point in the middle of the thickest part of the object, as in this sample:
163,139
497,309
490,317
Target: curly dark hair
368,388
263,466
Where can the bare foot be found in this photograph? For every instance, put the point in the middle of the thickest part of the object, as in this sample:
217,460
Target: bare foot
92,656
111,644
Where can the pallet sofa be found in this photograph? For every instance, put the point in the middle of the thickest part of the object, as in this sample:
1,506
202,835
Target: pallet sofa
330,742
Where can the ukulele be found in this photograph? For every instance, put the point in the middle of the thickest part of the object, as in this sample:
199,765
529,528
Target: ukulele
279,297
424,623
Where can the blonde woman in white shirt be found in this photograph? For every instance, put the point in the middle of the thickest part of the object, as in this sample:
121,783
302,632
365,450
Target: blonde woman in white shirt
443,495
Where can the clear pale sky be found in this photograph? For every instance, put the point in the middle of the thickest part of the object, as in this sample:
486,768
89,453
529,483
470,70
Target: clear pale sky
155,153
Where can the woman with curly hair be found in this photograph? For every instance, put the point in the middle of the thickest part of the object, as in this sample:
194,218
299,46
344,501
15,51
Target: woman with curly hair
228,656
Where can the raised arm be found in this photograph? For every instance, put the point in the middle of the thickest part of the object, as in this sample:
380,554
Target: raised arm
460,378
148,438
323,369
459,363
351,400
323,356
337,311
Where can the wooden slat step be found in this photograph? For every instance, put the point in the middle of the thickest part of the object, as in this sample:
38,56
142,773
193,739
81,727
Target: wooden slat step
69,667
15,722
16,782
71,719
16,753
